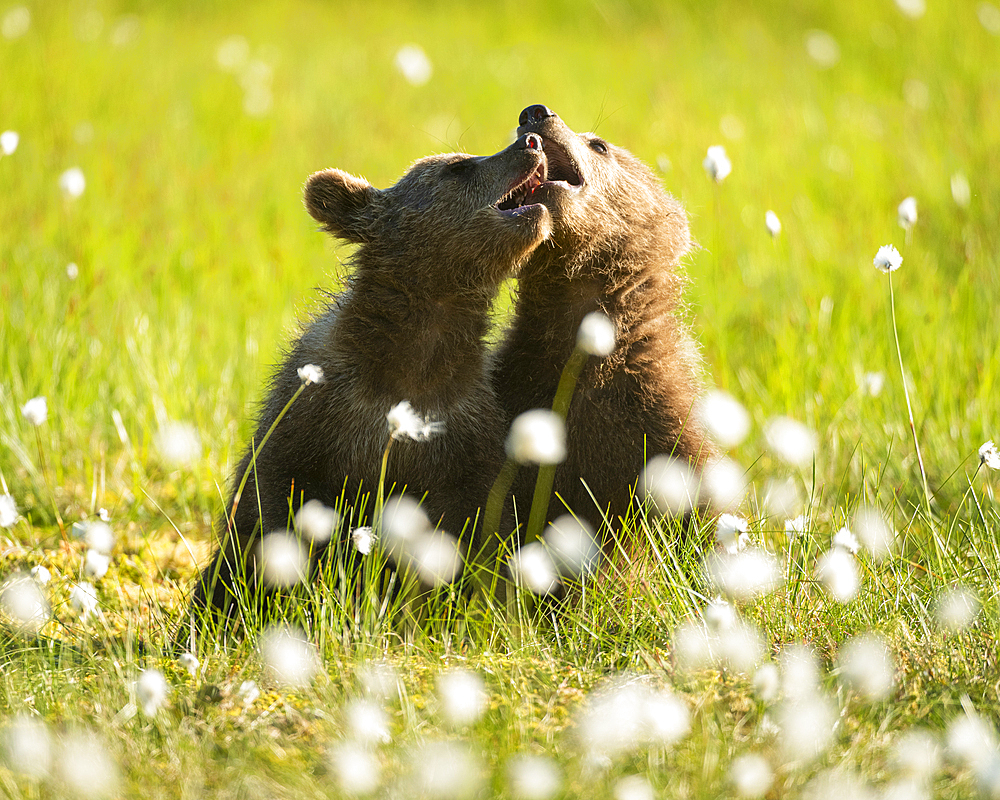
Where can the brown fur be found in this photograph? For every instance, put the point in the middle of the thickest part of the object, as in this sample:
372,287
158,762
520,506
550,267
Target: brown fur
410,326
616,246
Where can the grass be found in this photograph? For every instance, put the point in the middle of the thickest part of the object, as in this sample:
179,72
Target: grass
196,261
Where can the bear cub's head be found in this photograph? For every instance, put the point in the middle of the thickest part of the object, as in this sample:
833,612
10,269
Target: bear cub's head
460,214
602,198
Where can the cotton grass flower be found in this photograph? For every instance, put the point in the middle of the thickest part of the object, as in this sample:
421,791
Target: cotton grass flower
27,747
723,484
363,538
970,740
36,411
406,423
805,727
537,436
725,418
907,212
367,722
310,374
249,692
355,768
40,575
887,259
532,567
532,777
436,558
72,182
24,603
284,560
732,532
633,787
572,545
916,754
596,335
956,608
866,666
414,65
98,536
874,533
16,22
671,484
83,598
791,441
837,571
233,53
989,455
822,48
96,564
178,444
772,223
189,662
151,690
462,695
782,497
745,575
961,192
872,383
846,540
717,163
8,511
288,658
797,526
403,522
445,770
750,775
86,767
380,679
8,142
316,521
626,716
767,682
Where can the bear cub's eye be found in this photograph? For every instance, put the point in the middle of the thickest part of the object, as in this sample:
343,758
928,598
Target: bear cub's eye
599,146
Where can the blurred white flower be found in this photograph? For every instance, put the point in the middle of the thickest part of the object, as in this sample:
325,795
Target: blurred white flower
284,560
724,482
887,258
533,777
822,48
633,787
310,373
404,421
732,532
572,545
463,696
750,775
961,192
98,536
446,771
83,597
72,182
8,511
362,538
27,747
16,22
956,608
596,335
791,441
671,484
767,682
773,223
36,411
233,53
989,17
151,690
380,679
837,571
799,672
532,567
403,522
86,767
907,213
178,444
745,575
724,417
40,575
989,455
288,658
782,497
619,719
872,383
838,784
806,727
866,666
971,740
717,163
316,521
797,526
437,558
189,661
537,436
95,564
912,8
24,602
367,722
248,692
414,64
874,532
8,142
846,540
356,769
916,754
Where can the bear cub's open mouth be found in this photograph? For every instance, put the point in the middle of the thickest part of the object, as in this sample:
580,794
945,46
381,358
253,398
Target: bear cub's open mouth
517,196
556,167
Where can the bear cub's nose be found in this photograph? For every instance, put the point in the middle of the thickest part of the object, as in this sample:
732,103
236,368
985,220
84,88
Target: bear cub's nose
535,113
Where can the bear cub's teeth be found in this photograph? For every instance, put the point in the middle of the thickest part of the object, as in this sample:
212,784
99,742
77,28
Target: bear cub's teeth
517,196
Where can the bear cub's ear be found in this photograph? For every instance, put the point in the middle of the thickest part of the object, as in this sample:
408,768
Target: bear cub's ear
344,203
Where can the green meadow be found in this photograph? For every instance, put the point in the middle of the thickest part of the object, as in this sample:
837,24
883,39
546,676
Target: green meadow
156,258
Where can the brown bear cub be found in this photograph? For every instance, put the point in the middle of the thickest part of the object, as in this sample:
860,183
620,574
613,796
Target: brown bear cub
434,249
616,245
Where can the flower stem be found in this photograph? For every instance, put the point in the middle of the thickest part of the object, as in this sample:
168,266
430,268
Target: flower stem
380,490
547,472
906,394
48,485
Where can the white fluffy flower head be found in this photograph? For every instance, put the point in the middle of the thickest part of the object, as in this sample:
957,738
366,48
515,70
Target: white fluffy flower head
717,163
8,511
151,690
288,657
532,567
671,484
725,417
838,572
596,335
537,436
316,521
907,213
773,223
887,258
989,455
791,441
846,540
72,182
463,696
310,373
732,532
406,422
362,538
8,142
414,65
36,411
